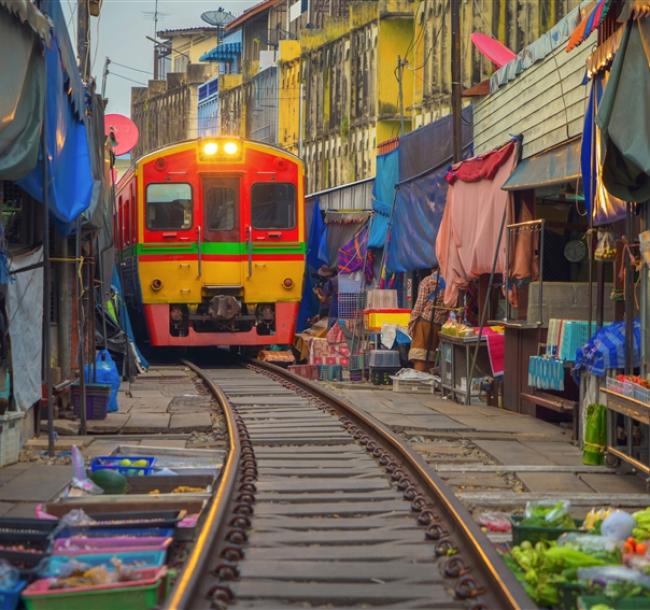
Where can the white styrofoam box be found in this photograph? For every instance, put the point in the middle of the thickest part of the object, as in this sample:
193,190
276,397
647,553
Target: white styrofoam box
10,435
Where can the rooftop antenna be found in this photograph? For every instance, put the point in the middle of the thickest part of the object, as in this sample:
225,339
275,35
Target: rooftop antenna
155,14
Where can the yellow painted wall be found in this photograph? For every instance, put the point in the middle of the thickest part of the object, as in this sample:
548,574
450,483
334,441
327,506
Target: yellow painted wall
289,95
394,40
192,46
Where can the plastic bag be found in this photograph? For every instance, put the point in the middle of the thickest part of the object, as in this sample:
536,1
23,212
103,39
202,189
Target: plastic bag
495,521
606,574
546,512
106,373
593,452
79,478
606,246
9,576
588,542
76,517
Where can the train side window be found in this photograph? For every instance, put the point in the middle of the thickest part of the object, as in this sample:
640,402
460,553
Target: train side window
273,205
220,199
169,206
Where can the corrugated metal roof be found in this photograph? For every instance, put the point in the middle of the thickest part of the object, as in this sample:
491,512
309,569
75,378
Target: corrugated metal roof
202,29
250,13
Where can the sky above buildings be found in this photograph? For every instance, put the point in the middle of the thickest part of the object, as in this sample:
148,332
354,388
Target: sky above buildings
119,33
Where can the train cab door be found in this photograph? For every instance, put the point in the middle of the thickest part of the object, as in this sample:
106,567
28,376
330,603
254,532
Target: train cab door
220,234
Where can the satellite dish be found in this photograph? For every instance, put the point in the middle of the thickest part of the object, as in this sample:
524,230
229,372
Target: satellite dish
218,18
122,133
496,52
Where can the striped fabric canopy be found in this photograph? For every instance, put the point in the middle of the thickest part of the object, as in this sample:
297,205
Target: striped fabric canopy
594,17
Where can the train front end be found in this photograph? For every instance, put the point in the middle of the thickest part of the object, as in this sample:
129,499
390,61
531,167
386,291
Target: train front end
221,248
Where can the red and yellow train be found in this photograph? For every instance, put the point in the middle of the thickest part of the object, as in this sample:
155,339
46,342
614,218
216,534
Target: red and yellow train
210,236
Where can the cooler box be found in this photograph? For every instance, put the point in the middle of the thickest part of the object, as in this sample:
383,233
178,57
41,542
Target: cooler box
375,318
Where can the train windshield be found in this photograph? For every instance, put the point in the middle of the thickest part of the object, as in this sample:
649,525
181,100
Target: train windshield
169,206
220,199
273,205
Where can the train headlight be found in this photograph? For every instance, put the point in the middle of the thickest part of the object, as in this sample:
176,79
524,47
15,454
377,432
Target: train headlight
287,284
156,285
231,148
210,149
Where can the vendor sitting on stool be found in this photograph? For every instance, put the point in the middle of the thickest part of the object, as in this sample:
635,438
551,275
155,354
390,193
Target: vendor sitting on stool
427,317
328,294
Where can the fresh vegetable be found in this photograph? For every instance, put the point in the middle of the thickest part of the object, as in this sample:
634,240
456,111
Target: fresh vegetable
594,518
111,481
642,522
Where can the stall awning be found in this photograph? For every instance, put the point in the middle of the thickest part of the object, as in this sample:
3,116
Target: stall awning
555,166
226,51
352,196
383,195
27,12
21,97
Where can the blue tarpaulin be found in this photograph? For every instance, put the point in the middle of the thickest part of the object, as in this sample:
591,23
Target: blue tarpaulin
316,257
419,205
383,195
606,350
69,167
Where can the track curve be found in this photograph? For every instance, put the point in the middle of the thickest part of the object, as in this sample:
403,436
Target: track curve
320,505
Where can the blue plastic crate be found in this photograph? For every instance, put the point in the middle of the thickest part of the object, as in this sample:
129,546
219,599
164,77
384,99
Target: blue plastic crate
112,462
130,559
9,598
105,532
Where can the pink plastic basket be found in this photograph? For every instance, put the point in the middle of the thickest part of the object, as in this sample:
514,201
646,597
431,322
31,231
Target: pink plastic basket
82,545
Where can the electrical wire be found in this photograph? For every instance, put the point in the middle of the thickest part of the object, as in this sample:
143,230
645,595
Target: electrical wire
127,78
116,63
434,41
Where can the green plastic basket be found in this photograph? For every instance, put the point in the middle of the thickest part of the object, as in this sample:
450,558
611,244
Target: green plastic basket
586,602
534,533
142,597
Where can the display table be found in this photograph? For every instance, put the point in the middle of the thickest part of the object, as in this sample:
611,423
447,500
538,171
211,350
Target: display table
632,410
456,354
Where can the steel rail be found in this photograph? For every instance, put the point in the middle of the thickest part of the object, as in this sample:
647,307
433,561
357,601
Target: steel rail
504,584
496,581
180,595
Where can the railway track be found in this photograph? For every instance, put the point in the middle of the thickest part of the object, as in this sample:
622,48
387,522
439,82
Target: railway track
319,505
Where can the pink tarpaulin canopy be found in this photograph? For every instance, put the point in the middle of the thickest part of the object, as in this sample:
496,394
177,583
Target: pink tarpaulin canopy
496,52
469,231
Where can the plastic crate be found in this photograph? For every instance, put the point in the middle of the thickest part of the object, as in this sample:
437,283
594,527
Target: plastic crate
384,358
350,305
82,545
587,602
104,532
357,362
97,397
112,462
11,427
331,372
374,319
9,598
534,533
379,298
129,559
142,594
382,376
412,386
